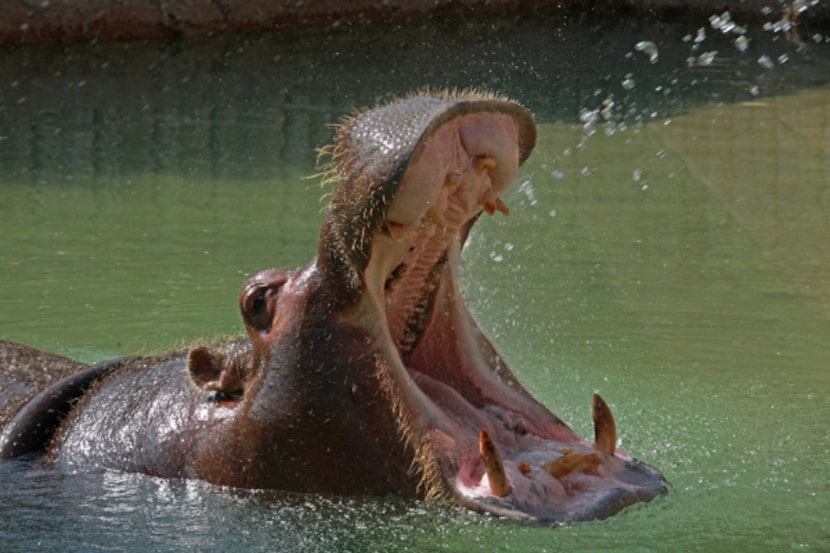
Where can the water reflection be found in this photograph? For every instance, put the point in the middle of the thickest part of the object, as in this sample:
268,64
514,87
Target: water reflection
239,105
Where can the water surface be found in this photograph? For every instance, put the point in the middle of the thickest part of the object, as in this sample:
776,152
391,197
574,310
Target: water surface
668,246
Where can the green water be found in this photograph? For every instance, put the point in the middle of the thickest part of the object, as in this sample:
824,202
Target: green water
671,252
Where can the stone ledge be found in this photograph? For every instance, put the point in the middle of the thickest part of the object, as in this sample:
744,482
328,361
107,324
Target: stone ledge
71,21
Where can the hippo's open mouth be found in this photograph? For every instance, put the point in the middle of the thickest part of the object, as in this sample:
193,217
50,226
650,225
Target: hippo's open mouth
364,372
478,436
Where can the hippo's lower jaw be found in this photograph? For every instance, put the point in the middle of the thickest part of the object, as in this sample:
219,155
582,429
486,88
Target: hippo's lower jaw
477,435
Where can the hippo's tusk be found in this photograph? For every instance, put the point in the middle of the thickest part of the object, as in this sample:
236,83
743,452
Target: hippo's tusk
563,466
493,465
437,219
605,429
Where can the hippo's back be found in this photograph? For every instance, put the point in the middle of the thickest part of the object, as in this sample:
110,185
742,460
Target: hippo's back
25,371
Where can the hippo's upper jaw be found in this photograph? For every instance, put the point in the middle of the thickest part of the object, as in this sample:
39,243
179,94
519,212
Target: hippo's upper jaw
399,224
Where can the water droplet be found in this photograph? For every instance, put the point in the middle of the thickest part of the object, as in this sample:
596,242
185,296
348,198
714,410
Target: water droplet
608,111
706,58
661,154
742,43
783,58
558,175
722,22
637,175
588,116
701,35
649,48
552,213
766,62
628,83
585,172
755,91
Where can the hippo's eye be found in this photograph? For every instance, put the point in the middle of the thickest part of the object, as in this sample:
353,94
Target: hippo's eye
259,298
255,309
259,303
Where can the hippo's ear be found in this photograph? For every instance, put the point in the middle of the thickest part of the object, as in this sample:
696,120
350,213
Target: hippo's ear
212,371
204,366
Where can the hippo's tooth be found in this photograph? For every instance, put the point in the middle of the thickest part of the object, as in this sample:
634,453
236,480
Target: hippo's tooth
493,465
591,462
492,203
437,219
500,206
452,179
395,230
485,163
563,466
605,429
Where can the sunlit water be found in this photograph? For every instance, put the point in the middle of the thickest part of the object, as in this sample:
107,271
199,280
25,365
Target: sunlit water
668,246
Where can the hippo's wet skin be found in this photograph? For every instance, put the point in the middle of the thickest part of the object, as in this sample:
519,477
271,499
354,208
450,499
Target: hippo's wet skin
363,372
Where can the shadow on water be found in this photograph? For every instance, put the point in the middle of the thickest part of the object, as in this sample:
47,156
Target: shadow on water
668,246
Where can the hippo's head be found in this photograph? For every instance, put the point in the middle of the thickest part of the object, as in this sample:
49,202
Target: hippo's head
367,362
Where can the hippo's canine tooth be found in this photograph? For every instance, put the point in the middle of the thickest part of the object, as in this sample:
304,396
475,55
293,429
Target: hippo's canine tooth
605,429
493,465
564,465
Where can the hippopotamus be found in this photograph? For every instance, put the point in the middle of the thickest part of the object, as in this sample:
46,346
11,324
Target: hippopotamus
360,373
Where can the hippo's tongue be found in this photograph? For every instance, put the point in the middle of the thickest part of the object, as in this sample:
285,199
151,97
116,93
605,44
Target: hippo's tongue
477,434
